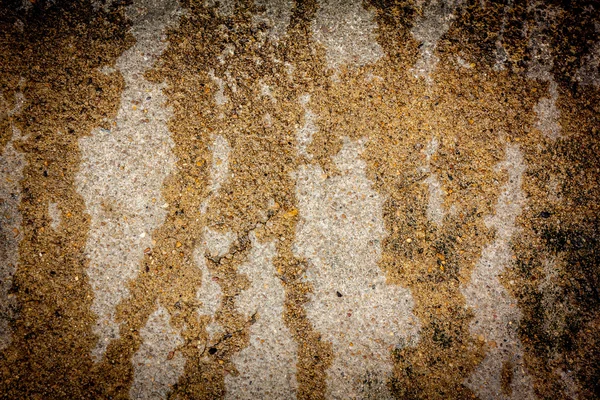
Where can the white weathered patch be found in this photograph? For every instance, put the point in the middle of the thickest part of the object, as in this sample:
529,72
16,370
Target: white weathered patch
220,162
217,243
122,171
228,51
548,114
339,233
220,97
157,364
225,7
265,90
55,215
496,313
436,18
276,15
540,68
267,366
231,81
589,73
435,205
305,134
347,31
462,63
12,163
268,120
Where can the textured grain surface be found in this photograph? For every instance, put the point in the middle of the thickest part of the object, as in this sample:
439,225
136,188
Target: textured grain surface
321,199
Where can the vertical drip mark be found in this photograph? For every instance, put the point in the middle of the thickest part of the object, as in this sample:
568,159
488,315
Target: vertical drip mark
157,365
497,317
305,134
215,244
220,97
540,68
267,367
435,205
55,215
548,114
12,163
501,54
340,233
220,163
120,179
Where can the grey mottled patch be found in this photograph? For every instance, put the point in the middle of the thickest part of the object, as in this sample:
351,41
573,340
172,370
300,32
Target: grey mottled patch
435,205
540,68
55,215
276,15
436,18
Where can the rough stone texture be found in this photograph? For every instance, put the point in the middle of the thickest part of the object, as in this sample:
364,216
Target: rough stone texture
339,233
123,170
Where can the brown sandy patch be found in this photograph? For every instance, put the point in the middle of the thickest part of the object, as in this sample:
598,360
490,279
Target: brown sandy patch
58,55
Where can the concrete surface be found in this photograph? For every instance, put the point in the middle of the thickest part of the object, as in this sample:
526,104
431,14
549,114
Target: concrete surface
279,199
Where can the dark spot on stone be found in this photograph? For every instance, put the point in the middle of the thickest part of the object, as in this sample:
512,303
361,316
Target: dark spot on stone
338,294
545,214
212,350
